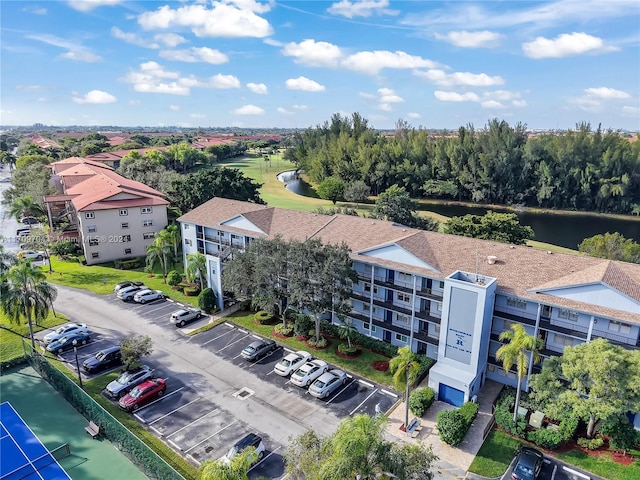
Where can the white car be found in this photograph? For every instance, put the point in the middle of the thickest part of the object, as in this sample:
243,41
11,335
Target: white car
307,373
64,330
291,362
32,255
144,296
326,383
125,294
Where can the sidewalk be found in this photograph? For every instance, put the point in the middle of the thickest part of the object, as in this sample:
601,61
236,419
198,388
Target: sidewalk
453,462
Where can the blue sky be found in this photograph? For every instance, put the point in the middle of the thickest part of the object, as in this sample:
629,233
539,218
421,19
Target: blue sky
252,63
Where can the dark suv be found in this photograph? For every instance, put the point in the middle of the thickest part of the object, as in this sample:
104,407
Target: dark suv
105,358
528,464
258,349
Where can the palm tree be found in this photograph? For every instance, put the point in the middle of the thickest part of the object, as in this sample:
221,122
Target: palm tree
515,351
26,294
197,268
25,206
346,330
159,252
173,236
7,260
236,469
405,368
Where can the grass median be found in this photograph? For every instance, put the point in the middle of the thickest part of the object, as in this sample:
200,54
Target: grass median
11,335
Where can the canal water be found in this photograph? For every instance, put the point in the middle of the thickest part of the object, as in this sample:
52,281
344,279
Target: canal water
563,230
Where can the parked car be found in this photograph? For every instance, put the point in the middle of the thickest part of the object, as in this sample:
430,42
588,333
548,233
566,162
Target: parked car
291,362
32,255
185,315
63,330
66,342
143,394
105,358
126,294
258,349
144,296
327,383
250,440
29,220
528,464
307,373
127,380
126,283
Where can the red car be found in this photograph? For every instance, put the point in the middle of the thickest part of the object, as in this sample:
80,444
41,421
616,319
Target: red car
143,394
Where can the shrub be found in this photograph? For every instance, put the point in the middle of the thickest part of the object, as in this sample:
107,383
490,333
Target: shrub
591,443
504,415
280,329
174,278
191,291
63,247
420,400
451,427
302,325
469,411
345,349
568,427
263,318
623,435
322,343
207,300
546,438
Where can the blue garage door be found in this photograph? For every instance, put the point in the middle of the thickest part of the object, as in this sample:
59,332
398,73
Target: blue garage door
450,395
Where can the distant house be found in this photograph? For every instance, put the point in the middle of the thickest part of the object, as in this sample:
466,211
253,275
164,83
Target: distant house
113,159
110,216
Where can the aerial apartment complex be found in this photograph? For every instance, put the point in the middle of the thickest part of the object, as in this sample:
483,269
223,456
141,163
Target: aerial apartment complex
111,217
448,297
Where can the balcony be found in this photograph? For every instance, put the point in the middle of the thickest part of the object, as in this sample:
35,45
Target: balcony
515,316
423,292
622,340
561,328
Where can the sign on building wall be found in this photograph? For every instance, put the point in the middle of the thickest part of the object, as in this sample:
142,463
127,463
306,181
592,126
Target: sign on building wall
462,315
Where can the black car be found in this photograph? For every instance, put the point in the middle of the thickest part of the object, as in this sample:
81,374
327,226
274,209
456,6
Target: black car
528,464
108,357
125,284
258,349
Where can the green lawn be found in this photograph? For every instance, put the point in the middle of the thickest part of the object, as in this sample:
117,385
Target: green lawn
360,365
603,465
11,335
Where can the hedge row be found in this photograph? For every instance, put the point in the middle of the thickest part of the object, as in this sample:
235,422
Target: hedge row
420,400
453,425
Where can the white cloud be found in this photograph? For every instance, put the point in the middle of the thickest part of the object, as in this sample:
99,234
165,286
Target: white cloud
305,84
389,96
198,115
315,54
258,88
413,115
273,42
132,38
95,96
385,107
195,54
217,81
466,39
456,97
440,77
519,103
169,39
300,107
249,110
361,8
565,45
232,20
153,78
35,10
30,88
88,5
75,51
284,111
82,56
631,111
492,104
606,93
175,108
372,62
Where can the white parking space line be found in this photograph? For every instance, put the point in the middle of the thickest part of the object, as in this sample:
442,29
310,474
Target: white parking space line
155,401
391,394
264,458
189,424
219,336
233,343
256,336
243,331
370,385
363,402
210,436
175,410
239,355
340,391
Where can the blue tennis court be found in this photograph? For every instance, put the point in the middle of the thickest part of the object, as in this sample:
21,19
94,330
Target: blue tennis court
23,454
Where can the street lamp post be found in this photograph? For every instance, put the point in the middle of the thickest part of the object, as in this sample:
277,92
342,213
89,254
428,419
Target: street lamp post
75,351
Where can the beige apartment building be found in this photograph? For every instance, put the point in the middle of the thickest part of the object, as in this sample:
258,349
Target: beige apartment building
111,217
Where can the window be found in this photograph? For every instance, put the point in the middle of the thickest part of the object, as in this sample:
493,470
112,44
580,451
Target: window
401,338
441,284
148,235
507,325
436,328
147,223
404,277
125,238
91,228
124,225
186,226
124,212
365,325
93,242
367,288
516,302
402,318
403,297
491,368
95,255
373,328
146,210
562,340
127,251
568,314
89,215
619,327
374,310
439,306
187,242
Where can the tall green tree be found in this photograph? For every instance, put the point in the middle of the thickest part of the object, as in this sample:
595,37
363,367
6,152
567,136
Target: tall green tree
356,192
594,380
395,205
25,206
236,469
331,189
26,295
172,234
501,227
405,369
197,269
612,246
159,252
519,347
133,348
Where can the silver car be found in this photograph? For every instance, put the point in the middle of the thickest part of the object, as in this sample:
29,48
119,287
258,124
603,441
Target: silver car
291,362
307,373
327,383
66,329
125,294
127,380
185,315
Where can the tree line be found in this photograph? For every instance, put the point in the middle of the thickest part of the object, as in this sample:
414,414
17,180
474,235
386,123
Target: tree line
581,169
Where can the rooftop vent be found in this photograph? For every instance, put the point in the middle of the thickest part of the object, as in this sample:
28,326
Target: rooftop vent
549,252
491,259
